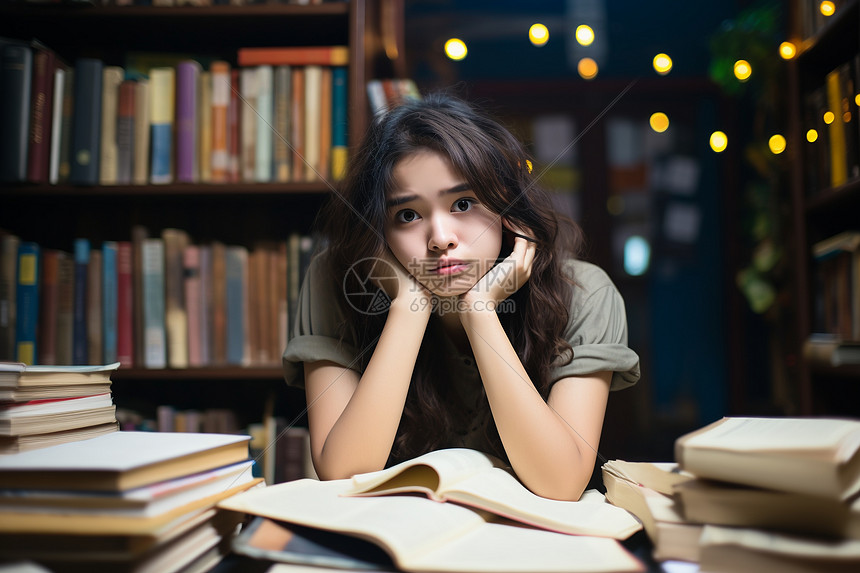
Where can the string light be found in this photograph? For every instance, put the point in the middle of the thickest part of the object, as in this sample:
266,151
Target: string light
776,144
584,35
829,117
787,50
662,64
455,48
659,122
811,136
587,68
743,70
827,8
719,141
538,34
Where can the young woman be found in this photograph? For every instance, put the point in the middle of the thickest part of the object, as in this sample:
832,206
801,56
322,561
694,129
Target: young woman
447,308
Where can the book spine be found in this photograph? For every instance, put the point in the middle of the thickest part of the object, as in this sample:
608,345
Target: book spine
281,152
65,309
325,132
234,130
264,115
139,234
56,125
110,291
313,105
95,335
16,70
236,266
162,103
112,77
294,56
27,295
206,310
187,78
176,319
155,342
79,338
836,131
8,288
250,91
41,110
339,124
219,304
85,148
65,168
193,307
48,303
204,130
125,132
297,113
141,132
220,77
125,305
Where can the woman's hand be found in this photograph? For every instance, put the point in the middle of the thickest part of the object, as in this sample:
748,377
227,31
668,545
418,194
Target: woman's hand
504,279
398,284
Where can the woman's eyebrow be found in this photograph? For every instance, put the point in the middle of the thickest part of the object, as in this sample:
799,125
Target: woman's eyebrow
399,200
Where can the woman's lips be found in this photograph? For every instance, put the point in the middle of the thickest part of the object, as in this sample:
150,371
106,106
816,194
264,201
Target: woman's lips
450,267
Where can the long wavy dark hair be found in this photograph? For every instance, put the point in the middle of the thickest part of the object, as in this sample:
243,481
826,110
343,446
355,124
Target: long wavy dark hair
497,167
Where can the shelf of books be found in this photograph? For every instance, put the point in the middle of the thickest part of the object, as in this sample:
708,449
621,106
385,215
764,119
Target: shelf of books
826,191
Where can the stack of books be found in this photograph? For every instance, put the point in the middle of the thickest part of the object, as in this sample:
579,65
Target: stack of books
47,405
130,501
753,494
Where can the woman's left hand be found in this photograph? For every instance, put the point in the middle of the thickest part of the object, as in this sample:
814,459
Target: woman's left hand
504,279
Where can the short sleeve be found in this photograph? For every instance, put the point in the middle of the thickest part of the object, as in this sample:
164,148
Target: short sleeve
319,329
597,330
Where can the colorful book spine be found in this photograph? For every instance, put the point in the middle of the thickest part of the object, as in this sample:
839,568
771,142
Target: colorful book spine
313,107
41,113
56,125
176,318
236,266
95,335
125,132
193,306
142,132
27,318
324,160
16,69
264,116
162,103
294,56
248,121
836,131
124,305
85,148
220,77
339,124
187,78
9,245
48,304
112,77
297,112
154,337
66,309
234,130
80,353
110,291
204,129
65,167
281,153
206,305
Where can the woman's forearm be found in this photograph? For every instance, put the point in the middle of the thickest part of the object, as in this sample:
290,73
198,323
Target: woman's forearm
362,437
548,456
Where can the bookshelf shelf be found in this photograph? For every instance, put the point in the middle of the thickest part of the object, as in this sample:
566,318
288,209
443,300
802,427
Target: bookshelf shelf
236,373
178,189
835,199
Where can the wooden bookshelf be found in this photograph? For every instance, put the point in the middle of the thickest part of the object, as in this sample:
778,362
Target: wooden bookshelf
821,210
233,213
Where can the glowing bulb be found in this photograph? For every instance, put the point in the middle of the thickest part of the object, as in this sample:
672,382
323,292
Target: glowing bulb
637,255
587,68
787,50
538,34
584,35
811,136
827,8
857,100
776,144
659,122
719,141
743,70
829,117
662,64
455,48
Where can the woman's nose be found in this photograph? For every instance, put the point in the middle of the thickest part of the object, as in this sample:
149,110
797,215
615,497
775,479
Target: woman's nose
442,235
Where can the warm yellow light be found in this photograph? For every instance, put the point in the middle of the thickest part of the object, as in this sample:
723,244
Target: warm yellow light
827,8
529,165
776,144
743,70
538,34
811,136
587,68
829,117
584,35
857,100
787,50
659,122
662,64
719,141
455,48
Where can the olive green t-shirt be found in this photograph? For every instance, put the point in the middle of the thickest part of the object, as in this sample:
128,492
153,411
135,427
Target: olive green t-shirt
596,330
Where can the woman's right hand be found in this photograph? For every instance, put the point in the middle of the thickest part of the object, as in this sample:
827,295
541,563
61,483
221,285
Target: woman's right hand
398,284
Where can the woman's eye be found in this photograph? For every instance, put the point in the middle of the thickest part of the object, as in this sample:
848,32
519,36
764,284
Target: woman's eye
406,216
463,204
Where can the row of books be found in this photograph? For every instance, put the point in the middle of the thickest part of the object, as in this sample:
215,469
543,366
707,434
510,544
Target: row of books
281,116
198,3
151,302
751,494
124,501
831,125
836,309
42,406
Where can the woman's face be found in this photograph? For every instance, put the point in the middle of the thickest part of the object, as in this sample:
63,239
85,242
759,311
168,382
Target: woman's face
437,228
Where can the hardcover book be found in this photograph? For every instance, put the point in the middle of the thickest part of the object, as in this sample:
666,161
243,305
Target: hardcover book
85,151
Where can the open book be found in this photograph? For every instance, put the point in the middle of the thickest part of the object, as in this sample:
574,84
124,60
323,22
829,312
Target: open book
476,479
422,535
814,456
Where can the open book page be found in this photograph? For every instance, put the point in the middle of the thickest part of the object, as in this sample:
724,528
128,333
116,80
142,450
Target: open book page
431,474
422,535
